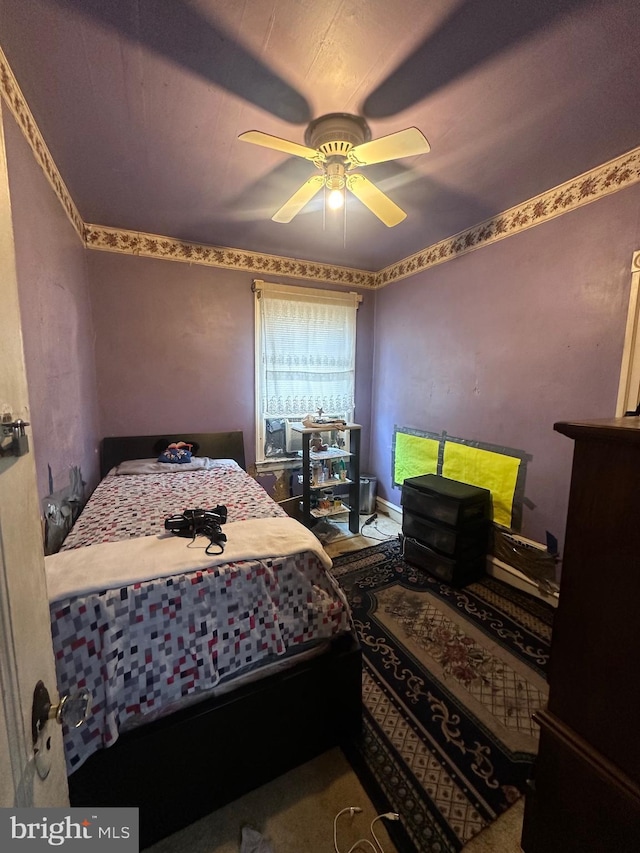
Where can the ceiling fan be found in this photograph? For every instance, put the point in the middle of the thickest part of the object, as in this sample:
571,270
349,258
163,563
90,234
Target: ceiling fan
337,144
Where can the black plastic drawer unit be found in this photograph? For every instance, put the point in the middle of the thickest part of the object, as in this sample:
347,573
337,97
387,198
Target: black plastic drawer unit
458,573
446,501
445,527
467,541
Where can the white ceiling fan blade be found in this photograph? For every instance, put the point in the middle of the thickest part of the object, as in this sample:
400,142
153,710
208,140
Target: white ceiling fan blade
377,202
298,200
404,143
284,145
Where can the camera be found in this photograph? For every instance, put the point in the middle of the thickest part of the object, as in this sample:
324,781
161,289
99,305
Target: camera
194,521
203,522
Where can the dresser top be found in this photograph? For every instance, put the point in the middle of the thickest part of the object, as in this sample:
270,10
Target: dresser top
605,429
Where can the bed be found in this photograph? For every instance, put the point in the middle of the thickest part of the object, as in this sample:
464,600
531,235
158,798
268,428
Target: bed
210,674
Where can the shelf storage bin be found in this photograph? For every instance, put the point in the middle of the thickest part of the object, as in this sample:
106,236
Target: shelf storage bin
467,541
448,501
458,572
445,527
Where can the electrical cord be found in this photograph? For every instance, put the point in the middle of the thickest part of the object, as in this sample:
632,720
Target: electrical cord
381,538
352,810
362,841
355,810
388,816
369,521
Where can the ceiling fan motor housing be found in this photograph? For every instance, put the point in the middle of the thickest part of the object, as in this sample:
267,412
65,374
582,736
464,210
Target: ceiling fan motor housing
337,133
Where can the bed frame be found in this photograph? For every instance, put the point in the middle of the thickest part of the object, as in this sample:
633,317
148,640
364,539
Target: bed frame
217,445
184,766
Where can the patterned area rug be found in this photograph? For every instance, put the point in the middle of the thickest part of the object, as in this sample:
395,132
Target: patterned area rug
451,678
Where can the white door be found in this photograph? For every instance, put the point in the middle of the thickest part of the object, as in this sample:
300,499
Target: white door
26,653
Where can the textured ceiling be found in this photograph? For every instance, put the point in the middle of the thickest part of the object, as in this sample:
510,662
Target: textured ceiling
141,103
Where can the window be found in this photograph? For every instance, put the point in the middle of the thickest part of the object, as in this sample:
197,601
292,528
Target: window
305,361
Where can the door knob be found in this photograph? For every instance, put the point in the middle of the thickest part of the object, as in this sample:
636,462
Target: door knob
13,439
72,710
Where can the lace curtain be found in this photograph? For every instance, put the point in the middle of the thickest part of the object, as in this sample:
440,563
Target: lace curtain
308,352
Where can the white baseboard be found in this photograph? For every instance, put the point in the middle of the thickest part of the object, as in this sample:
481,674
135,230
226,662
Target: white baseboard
394,512
495,567
503,572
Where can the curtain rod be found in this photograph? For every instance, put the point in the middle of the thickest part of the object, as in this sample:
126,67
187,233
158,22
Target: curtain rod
258,285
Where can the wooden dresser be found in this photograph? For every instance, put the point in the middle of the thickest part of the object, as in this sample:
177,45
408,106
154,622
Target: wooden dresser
585,796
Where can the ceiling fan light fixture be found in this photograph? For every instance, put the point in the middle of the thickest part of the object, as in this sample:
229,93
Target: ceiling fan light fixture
335,182
336,199
337,144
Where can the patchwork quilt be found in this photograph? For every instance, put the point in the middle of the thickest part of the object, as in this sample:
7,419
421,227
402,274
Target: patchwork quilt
137,504
148,645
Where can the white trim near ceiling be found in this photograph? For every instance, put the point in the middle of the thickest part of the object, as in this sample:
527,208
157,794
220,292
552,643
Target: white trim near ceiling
615,175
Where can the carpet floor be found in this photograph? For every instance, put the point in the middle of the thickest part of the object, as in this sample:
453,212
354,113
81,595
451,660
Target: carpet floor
451,678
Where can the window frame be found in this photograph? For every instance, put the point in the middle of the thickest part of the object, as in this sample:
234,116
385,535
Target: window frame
258,287
629,384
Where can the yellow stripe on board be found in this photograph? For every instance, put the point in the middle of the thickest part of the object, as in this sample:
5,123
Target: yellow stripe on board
486,469
414,455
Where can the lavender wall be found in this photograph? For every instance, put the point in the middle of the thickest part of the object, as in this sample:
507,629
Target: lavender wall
56,323
498,345
494,346
175,351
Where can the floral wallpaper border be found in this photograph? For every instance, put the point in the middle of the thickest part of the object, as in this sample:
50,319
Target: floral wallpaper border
615,175
15,100
167,248
601,181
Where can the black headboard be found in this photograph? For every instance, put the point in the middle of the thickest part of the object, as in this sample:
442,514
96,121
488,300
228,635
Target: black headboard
217,445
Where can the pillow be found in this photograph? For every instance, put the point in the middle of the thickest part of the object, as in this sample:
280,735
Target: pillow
178,453
165,443
152,466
